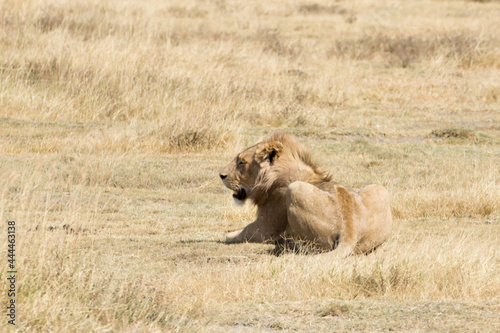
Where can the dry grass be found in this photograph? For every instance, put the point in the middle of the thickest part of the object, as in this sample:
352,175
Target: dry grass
115,118
461,49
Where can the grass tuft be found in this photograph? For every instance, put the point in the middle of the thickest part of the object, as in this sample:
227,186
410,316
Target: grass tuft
314,8
463,49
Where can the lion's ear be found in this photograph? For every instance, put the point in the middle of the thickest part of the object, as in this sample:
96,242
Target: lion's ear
269,152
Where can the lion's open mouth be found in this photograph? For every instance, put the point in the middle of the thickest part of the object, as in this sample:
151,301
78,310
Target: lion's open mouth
241,194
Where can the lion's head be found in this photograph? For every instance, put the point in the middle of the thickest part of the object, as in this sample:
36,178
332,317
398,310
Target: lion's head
258,171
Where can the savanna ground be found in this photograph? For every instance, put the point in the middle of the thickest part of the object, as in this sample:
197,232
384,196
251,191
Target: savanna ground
116,116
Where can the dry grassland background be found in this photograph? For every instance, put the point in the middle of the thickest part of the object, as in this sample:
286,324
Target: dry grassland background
116,115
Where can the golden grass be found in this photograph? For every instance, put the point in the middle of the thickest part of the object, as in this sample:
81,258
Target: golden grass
115,118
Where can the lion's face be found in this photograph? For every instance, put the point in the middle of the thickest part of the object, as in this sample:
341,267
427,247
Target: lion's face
242,173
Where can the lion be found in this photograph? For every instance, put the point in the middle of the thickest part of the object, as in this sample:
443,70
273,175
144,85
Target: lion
297,200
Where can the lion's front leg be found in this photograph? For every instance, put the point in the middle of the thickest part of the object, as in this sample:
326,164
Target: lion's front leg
255,232
234,237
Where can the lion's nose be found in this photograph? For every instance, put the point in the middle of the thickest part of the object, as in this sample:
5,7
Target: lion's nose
222,176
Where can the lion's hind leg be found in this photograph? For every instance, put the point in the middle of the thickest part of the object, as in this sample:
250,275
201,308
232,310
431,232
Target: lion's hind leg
375,199
313,215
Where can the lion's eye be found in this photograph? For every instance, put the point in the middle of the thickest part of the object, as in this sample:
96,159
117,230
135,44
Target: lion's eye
241,163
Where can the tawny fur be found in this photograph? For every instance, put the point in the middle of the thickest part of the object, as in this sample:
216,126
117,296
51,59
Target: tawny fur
296,199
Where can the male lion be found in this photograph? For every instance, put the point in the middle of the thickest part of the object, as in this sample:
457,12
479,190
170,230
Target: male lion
296,199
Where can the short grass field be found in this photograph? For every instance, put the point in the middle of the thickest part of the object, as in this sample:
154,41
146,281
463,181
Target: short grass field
115,117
